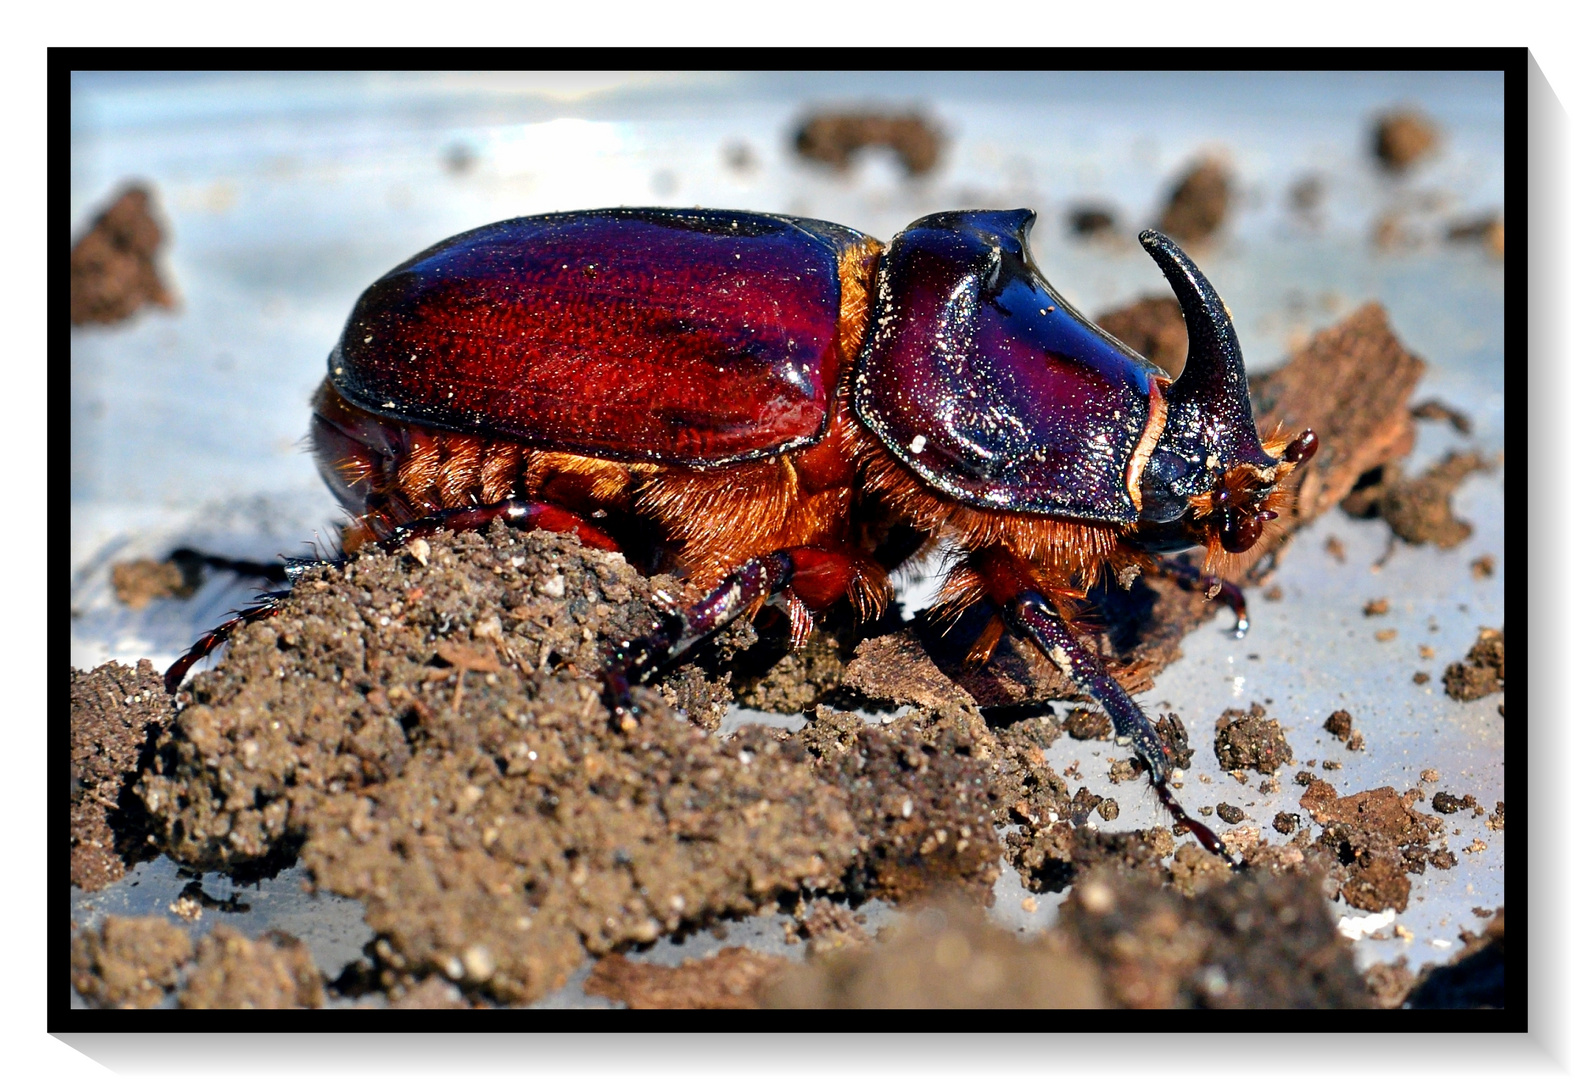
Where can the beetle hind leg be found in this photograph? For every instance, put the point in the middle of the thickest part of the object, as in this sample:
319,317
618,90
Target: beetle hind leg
268,606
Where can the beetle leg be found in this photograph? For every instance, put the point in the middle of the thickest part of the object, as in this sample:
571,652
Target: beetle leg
809,577
519,513
1189,577
218,636
800,621
1031,614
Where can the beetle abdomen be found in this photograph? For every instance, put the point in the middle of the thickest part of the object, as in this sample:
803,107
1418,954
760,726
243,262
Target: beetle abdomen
982,380
688,337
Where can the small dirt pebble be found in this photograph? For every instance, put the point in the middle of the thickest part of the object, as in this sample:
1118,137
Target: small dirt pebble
827,926
1376,607
1286,823
1495,820
1402,138
732,979
128,963
1198,203
1388,634
1231,815
112,264
1429,776
1250,740
1088,724
235,972
1338,724
834,138
1303,777
1445,803
140,581
1482,671
1421,678
1091,221
1482,567
1336,548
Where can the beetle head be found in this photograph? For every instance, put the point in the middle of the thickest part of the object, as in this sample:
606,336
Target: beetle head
1209,480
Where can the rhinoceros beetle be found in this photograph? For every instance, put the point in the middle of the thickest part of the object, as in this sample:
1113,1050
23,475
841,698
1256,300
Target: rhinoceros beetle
774,399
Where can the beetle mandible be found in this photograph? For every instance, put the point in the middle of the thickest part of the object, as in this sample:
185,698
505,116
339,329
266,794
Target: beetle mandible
787,410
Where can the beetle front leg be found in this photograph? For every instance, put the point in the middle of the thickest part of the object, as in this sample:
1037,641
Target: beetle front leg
1031,614
1189,577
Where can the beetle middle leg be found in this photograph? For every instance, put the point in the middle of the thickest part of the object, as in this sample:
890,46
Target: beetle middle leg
808,578
1019,594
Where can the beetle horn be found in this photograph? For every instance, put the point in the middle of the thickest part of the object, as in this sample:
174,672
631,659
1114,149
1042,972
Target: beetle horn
1215,374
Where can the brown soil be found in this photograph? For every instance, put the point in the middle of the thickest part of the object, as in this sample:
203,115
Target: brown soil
1402,138
1250,740
732,979
948,956
115,712
920,798
834,138
1376,839
128,963
1198,203
1351,384
1482,671
1250,940
112,268
1417,509
1154,327
235,972
500,828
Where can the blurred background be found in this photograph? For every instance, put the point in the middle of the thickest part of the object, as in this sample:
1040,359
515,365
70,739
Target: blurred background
270,200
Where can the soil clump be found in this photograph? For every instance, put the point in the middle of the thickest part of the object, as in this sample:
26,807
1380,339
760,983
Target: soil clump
1482,671
1198,203
129,963
112,264
1376,839
835,138
115,713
